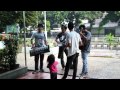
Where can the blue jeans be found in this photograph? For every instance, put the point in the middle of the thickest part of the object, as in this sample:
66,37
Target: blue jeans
84,56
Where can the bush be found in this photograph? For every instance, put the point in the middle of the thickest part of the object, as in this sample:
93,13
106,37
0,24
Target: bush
0,37
1,56
110,39
8,55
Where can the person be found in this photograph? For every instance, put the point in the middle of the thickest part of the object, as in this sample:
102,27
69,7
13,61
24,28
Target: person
61,40
73,42
40,41
85,49
52,65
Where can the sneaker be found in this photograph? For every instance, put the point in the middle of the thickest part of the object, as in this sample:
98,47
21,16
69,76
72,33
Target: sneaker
41,70
36,71
83,76
86,76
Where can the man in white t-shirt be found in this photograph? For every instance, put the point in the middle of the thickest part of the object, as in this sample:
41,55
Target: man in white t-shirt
73,42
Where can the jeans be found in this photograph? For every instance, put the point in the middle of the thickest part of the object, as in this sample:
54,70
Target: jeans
70,59
84,56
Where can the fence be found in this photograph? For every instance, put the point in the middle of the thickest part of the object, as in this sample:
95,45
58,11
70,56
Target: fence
100,43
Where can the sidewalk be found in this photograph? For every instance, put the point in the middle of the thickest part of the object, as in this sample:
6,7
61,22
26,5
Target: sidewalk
99,67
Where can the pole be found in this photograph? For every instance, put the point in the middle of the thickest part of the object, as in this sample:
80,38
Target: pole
37,16
24,38
45,24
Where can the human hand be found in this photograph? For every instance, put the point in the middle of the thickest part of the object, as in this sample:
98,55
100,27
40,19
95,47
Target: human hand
33,45
81,33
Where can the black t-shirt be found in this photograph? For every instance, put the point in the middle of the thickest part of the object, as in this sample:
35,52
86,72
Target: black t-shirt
62,37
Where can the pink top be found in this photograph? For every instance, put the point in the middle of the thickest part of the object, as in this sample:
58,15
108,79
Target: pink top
53,68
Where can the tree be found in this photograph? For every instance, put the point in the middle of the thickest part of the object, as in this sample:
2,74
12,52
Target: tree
77,16
48,25
7,18
112,16
30,19
56,17
59,16
91,16
12,17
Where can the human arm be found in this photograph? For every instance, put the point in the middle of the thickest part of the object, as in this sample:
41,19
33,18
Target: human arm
33,36
57,37
87,37
68,41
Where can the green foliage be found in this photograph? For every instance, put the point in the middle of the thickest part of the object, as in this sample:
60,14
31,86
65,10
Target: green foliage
48,25
12,17
56,17
112,16
110,39
0,37
91,16
1,56
117,13
9,54
34,17
60,16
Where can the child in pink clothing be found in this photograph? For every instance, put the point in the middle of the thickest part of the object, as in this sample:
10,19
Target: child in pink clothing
52,65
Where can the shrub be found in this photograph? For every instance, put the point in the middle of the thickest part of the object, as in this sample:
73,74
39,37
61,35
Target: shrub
8,58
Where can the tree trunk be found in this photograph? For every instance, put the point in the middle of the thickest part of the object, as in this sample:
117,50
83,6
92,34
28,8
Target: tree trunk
91,24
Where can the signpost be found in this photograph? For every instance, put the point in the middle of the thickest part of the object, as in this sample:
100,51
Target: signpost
12,29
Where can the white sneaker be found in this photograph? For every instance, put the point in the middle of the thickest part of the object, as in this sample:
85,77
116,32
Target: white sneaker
36,71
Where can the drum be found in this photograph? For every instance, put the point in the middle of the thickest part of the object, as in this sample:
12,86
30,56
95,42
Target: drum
37,50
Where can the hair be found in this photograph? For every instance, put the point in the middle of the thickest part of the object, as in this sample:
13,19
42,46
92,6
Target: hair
70,25
40,25
82,26
63,25
50,59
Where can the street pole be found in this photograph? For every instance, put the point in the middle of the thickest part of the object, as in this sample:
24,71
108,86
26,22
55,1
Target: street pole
37,16
45,24
24,38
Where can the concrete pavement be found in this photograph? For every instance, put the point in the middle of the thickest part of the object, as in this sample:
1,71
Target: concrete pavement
101,65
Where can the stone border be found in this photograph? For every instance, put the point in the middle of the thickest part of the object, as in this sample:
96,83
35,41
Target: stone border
13,74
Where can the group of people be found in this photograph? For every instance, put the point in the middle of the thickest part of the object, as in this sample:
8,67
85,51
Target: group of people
69,42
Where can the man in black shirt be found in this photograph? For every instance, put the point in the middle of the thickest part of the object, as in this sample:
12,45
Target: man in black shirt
61,40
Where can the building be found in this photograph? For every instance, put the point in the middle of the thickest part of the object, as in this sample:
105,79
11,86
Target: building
110,27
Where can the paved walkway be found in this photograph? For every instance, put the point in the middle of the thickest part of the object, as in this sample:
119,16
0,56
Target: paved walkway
39,75
100,66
